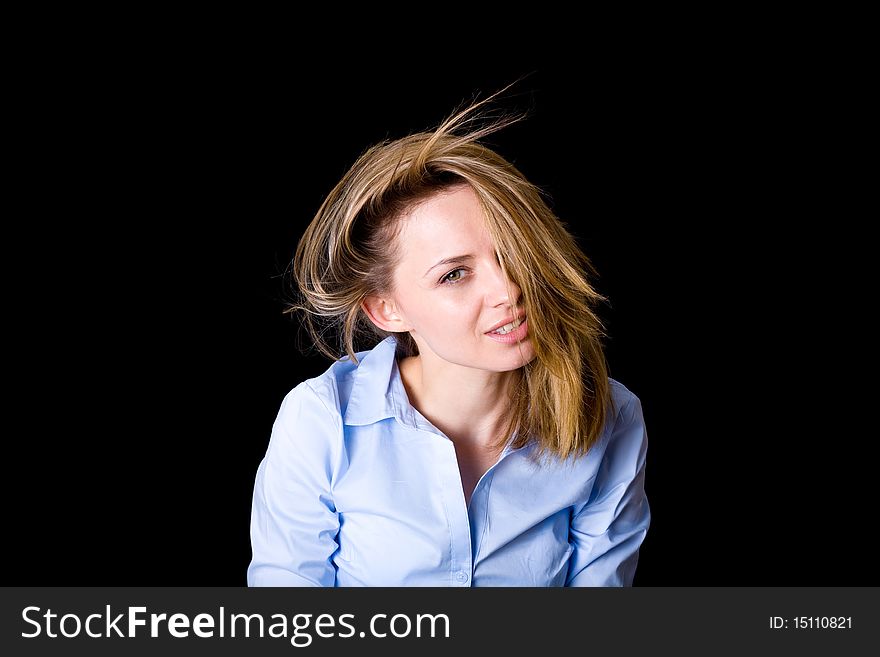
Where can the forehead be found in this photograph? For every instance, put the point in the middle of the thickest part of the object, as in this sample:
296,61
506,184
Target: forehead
443,222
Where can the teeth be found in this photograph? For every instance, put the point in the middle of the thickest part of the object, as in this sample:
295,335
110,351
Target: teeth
507,328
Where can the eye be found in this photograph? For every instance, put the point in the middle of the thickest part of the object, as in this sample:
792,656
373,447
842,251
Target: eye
450,279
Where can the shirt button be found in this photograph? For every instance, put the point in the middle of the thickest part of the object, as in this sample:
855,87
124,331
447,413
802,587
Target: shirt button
461,576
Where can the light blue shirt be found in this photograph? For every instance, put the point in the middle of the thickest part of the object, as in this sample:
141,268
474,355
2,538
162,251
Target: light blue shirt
357,488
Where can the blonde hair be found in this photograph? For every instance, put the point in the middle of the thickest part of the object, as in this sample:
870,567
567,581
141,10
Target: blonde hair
349,252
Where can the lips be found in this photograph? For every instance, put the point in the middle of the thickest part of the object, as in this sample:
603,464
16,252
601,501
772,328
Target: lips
506,321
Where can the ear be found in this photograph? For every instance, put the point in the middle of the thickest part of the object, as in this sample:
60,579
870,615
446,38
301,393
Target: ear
384,314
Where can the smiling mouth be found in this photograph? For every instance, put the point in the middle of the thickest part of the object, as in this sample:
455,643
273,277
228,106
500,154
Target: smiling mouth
507,328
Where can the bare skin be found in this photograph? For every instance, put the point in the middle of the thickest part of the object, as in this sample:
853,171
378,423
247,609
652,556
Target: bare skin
472,444
459,380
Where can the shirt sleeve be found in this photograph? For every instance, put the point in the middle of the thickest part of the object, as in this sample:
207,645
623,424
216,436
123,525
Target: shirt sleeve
608,531
294,523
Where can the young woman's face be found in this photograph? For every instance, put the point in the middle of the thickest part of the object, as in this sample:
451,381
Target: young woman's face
451,307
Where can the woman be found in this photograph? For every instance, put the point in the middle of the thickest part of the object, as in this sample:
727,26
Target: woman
481,442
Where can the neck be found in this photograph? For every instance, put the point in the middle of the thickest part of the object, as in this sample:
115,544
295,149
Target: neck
469,405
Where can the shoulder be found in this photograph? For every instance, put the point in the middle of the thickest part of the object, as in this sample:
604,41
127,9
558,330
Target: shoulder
329,391
626,435
308,426
319,393
624,401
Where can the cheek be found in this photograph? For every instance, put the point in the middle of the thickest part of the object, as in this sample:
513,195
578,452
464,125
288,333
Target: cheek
443,314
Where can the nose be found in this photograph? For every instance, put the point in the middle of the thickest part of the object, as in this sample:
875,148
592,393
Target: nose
501,290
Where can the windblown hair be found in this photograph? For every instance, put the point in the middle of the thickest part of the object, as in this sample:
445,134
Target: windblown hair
350,251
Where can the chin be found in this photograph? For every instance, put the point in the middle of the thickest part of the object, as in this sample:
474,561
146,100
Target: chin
515,361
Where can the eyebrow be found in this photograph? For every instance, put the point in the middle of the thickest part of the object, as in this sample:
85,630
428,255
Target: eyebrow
449,261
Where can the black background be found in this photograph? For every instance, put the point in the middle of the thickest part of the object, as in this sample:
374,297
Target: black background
159,194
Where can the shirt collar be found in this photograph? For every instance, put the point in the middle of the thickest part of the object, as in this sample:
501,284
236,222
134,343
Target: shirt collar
377,390
377,393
